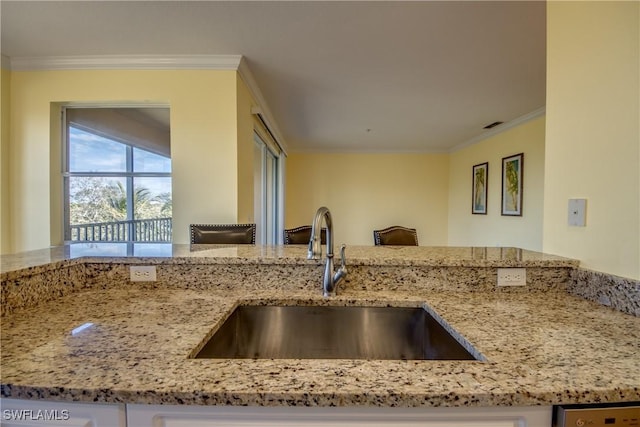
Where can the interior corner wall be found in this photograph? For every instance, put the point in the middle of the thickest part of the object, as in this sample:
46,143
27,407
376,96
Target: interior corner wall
593,133
203,141
246,152
493,229
370,191
56,185
5,224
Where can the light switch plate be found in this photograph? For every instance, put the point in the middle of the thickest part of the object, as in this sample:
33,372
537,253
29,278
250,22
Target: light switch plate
577,212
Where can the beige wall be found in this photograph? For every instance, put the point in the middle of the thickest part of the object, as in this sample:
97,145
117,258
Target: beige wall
245,153
592,151
370,191
493,229
592,133
203,143
5,224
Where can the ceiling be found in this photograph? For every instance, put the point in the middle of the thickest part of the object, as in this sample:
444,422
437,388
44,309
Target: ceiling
338,75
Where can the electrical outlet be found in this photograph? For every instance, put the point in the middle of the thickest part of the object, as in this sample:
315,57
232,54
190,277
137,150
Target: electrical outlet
142,273
512,276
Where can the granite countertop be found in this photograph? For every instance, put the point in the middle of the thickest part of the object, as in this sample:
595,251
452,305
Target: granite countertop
540,349
153,253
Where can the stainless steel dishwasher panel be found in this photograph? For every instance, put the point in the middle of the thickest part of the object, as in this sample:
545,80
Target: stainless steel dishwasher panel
598,415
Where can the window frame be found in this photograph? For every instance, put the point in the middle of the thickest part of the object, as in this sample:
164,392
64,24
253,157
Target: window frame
128,175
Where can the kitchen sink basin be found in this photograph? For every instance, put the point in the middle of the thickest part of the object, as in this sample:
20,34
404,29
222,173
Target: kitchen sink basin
331,332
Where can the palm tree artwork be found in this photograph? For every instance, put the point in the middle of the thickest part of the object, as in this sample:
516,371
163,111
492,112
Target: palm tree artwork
480,180
480,188
512,185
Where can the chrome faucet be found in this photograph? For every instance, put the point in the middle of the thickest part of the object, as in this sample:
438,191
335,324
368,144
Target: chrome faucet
329,279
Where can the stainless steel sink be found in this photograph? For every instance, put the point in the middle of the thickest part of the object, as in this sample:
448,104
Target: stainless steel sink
329,332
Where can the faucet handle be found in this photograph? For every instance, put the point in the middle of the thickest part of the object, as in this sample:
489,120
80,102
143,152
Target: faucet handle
343,258
342,271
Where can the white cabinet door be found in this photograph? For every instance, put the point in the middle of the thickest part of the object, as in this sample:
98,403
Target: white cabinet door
210,416
39,413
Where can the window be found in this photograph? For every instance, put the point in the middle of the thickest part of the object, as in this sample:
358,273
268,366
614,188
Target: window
117,175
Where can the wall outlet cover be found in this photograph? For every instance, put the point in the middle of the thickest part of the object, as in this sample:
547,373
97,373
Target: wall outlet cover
512,276
142,273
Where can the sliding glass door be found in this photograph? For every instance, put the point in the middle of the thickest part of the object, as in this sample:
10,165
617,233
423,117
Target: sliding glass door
266,193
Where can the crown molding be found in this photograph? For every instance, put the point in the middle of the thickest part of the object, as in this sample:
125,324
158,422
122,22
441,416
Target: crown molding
502,128
151,62
353,150
126,62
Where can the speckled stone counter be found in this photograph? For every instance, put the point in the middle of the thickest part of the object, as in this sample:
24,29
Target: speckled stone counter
539,345
540,348
37,276
45,259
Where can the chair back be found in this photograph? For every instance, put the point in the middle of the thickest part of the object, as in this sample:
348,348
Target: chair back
396,235
302,235
223,233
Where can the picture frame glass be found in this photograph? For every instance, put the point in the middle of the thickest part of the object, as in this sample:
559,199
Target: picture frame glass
512,184
480,182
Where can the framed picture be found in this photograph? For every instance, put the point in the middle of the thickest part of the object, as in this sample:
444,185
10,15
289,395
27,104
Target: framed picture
512,185
479,189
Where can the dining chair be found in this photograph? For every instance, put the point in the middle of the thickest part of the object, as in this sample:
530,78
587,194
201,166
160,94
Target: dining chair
301,235
396,235
223,233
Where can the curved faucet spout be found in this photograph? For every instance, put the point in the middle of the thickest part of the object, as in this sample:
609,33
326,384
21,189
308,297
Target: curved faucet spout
329,280
315,244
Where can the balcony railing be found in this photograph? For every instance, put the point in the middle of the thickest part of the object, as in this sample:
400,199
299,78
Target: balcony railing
139,230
